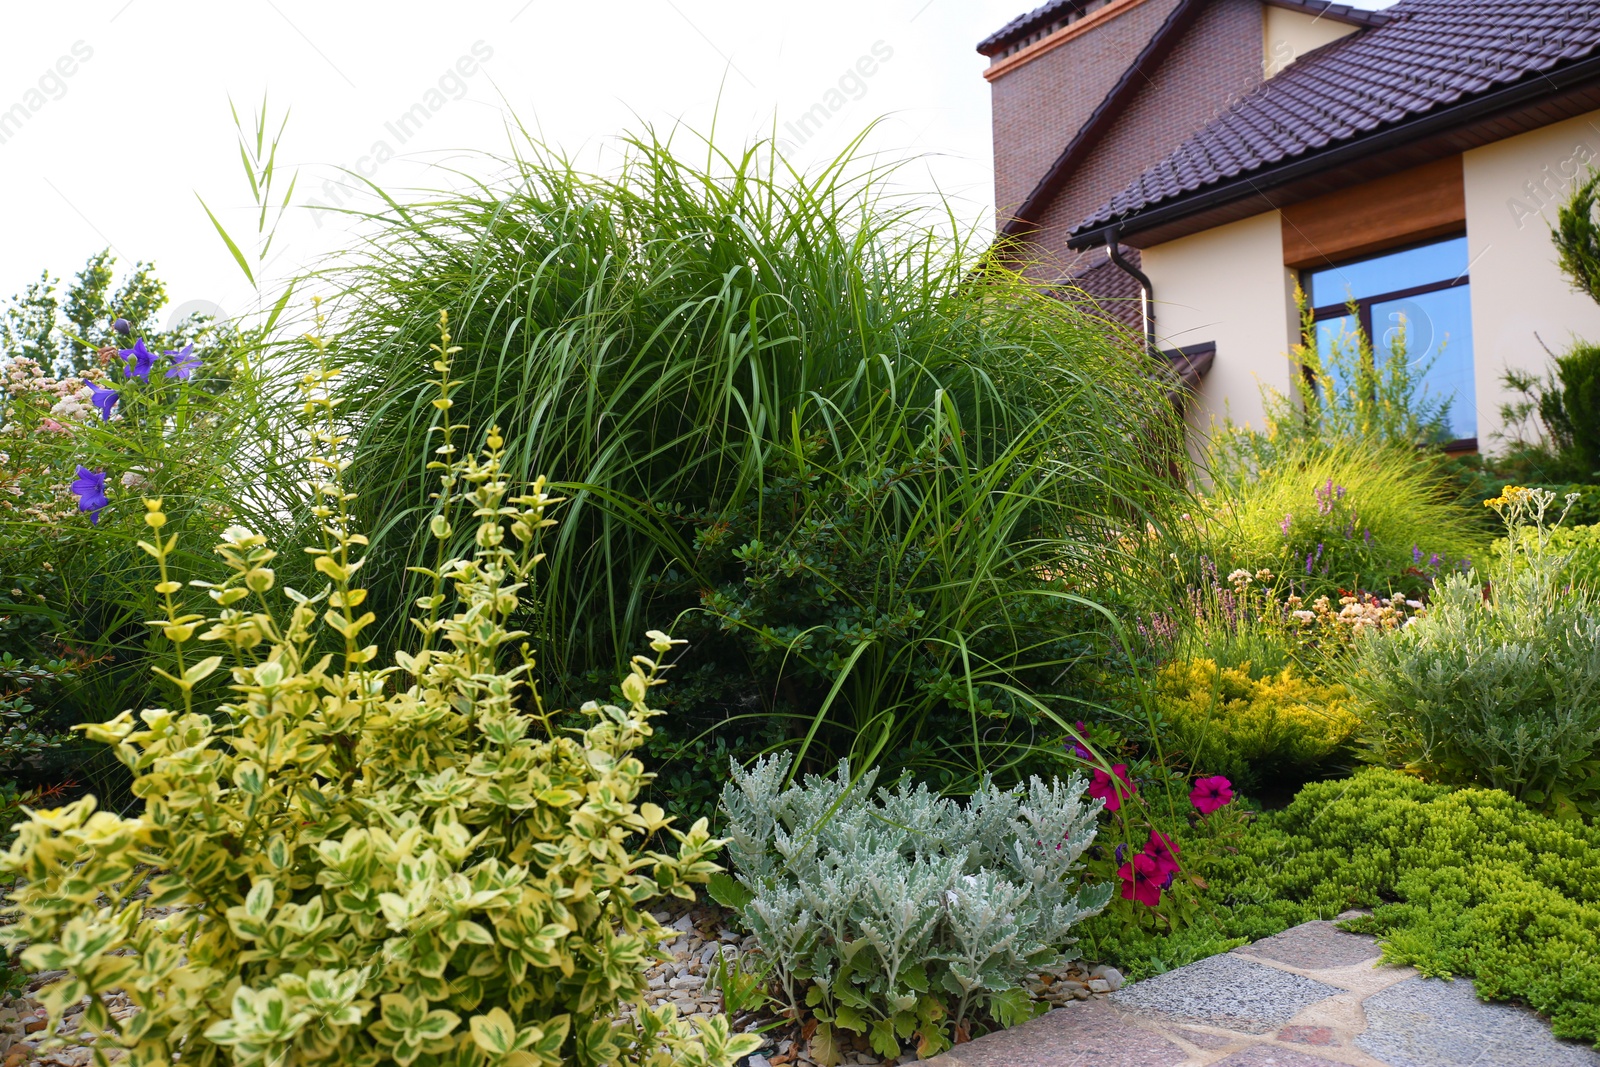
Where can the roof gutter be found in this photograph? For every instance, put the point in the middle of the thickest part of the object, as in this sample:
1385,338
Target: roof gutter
1535,86
1147,292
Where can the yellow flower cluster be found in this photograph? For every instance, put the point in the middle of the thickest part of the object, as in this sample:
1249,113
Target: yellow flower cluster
1510,496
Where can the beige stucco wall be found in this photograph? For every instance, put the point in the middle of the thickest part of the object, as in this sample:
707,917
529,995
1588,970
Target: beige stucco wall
1291,34
1519,296
1228,285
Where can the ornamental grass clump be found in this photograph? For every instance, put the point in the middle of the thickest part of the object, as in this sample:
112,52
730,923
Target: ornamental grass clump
731,353
902,914
358,862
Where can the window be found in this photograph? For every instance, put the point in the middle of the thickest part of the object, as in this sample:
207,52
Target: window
1425,290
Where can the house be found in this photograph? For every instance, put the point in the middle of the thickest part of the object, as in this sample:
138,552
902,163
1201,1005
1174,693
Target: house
1187,163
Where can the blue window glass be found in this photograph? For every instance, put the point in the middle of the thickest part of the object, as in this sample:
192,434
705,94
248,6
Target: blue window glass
1435,313
1442,261
1438,336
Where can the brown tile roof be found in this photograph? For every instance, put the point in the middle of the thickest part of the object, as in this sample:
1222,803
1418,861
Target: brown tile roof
1428,54
1052,16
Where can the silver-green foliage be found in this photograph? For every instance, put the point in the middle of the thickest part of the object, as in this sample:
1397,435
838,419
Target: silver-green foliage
891,912
1499,684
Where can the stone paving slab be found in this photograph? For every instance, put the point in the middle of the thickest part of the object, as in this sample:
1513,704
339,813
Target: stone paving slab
1088,1033
1433,1023
1225,991
1315,945
1308,997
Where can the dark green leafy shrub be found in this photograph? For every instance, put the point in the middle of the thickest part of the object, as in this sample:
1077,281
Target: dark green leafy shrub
872,597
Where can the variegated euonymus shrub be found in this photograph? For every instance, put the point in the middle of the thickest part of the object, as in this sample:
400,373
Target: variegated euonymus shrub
902,912
365,863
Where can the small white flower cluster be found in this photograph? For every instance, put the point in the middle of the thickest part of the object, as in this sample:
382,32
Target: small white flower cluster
1357,614
69,397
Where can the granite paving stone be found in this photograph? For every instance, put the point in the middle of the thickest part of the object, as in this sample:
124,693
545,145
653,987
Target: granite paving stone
1087,1033
1225,991
1314,945
1272,1056
1428,1022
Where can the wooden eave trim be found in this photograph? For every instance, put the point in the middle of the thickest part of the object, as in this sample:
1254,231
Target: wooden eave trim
1059,38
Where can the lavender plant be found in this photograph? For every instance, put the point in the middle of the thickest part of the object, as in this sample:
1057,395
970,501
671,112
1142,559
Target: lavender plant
901,913
1499,684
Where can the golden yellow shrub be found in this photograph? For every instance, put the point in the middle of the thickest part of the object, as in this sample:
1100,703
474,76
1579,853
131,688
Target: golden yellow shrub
1227,722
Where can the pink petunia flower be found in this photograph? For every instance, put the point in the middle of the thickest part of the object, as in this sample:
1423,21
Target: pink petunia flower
1101,786
1209,794
1141,880
1164,850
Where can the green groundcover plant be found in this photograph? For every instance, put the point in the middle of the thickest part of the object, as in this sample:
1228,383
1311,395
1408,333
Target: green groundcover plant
355,862
1466,882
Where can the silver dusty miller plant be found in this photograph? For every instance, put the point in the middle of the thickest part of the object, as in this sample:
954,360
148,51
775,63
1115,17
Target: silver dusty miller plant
900,913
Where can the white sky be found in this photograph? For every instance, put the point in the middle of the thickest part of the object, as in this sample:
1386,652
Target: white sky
118,150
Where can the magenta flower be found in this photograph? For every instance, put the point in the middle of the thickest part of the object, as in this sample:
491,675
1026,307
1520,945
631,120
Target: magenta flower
90,489
103,398
1164,850
1209,794
1113,793
184,362
138,361
1141,880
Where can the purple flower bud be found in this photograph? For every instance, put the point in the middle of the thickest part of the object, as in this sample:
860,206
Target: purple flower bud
122,327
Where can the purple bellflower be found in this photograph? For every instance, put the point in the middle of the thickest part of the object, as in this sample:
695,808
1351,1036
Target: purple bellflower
122,327
90,489
103,398
184,362
138,361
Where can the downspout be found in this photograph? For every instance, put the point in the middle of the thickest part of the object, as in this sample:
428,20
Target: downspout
1147,292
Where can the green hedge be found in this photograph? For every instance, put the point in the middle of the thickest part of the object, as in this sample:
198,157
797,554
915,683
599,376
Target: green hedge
1464,882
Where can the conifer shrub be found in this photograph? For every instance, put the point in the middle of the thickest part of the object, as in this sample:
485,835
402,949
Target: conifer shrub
360,862
1249,729
902,914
